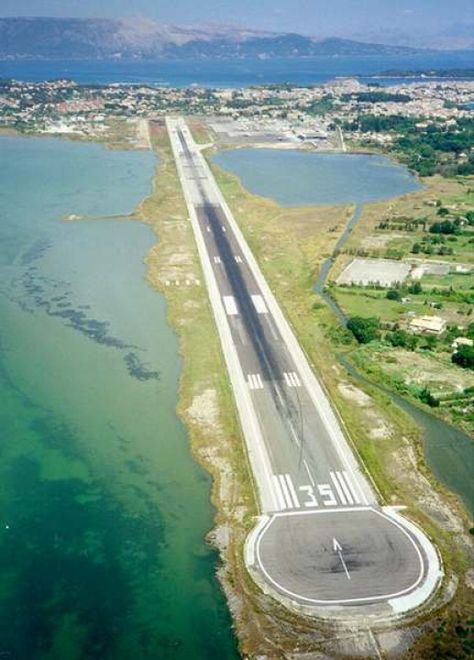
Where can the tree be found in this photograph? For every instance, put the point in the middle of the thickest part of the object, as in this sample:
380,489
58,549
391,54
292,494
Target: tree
464,357
393,294
415,287
445,227
364,329
426,396
403,339
430,342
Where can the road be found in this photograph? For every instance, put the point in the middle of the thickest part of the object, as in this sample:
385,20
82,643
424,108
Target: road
322,540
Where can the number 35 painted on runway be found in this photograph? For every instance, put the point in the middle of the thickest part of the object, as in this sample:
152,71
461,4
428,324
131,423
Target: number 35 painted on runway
325,491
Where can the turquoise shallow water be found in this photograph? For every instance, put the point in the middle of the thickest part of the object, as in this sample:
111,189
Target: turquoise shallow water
103,512
298,178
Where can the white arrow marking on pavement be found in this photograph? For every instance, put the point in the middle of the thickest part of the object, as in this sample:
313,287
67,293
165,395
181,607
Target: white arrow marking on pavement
337,548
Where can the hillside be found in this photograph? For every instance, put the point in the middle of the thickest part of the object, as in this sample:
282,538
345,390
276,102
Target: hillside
74,38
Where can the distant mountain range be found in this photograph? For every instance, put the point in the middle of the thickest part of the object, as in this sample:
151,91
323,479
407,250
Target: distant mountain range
457,36
84,38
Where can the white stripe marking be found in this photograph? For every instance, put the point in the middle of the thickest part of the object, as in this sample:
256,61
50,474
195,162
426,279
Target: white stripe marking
238,259
338,488
309,472
224,229
285,490
344,487
292,491
296,379
208,229
292,379
230,305
255,382
279,494
217,260
259,304
351,487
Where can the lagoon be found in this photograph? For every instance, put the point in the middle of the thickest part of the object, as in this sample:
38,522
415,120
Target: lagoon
103,511
298,178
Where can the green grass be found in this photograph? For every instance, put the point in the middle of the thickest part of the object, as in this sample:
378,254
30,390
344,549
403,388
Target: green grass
457,281
400,244
356,301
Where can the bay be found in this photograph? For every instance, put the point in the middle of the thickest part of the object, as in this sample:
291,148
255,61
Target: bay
103,511
223,73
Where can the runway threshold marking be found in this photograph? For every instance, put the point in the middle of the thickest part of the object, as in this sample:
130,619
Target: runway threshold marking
285,492
338,488
313,495
350,484
278,492
344,487
292,490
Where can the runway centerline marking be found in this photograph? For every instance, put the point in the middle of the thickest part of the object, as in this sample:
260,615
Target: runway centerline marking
308,471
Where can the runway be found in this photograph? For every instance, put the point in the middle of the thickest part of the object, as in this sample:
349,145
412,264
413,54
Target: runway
323,541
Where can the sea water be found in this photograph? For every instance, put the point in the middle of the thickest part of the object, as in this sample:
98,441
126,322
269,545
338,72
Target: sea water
103,511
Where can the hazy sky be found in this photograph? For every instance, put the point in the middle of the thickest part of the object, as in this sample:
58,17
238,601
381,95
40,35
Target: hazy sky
318,17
